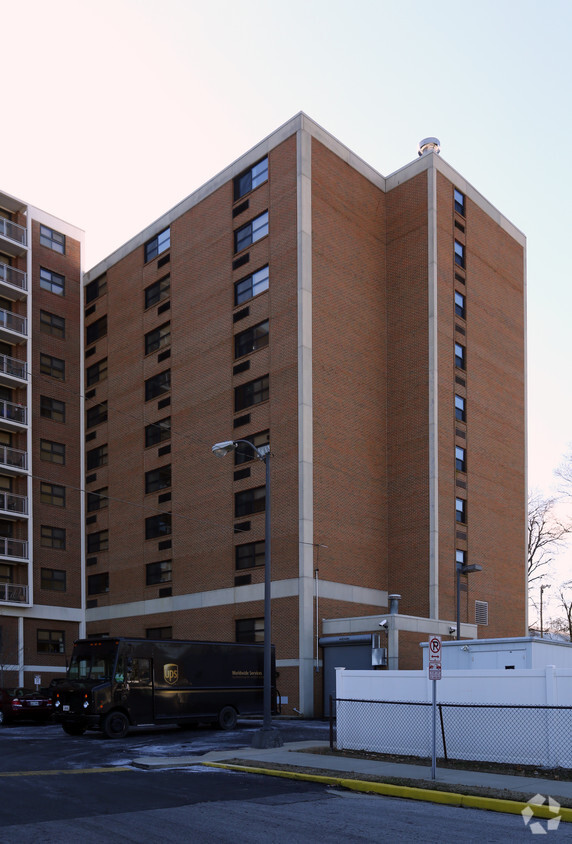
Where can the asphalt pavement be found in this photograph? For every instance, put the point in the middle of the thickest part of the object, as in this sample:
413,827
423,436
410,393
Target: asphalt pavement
299,754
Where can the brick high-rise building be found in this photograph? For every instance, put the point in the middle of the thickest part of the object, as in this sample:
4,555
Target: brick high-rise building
372,330
41,456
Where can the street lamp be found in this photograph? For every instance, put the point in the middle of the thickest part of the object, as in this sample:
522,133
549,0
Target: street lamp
268,736
542,588
462,569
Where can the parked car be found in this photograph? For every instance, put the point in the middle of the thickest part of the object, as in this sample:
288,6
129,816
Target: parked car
24,705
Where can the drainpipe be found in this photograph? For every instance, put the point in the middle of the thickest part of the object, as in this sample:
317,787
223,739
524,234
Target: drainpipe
393,634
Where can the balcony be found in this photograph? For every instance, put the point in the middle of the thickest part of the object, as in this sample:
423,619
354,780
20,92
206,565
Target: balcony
12,415
13,505
12,369
13,238
13,593
13,327
13,548
14,461
13,282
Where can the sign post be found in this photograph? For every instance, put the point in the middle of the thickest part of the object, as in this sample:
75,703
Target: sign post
434,675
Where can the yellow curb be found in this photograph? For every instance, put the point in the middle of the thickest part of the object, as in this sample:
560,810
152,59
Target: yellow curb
450,798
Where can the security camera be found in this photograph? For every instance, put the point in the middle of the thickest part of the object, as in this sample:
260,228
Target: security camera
383,623
452,629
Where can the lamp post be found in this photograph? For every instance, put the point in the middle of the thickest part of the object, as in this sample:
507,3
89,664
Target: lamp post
268,736
461,569
542,588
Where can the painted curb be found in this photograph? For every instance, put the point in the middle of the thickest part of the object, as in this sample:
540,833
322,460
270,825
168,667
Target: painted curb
449,798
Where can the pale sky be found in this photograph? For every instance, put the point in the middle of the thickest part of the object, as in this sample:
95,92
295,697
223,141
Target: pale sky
116,110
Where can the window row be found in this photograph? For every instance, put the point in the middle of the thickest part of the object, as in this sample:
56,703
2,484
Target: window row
251,393
53,240
158,244
54,282
251,232
251,179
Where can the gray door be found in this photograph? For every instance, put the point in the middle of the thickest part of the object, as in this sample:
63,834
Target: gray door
350,655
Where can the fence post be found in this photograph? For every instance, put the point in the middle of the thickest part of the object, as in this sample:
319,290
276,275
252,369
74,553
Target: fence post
443,731
331,722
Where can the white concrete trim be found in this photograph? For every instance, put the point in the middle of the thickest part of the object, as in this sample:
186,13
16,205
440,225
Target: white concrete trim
433,308
234,595
305,423
43,612
410,623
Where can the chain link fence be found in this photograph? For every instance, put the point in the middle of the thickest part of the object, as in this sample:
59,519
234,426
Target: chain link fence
511,734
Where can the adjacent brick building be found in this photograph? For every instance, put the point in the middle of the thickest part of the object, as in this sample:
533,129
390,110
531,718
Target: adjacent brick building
372,330
41,451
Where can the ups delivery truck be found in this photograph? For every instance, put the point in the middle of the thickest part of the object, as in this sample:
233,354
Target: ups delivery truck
115,683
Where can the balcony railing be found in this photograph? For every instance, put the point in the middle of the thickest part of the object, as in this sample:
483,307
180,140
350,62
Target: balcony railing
13,457
10,275
13,412
14,592
13,547
10,503
14,322
13,231
14,367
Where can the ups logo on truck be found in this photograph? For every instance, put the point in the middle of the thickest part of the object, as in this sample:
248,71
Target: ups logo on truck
171,673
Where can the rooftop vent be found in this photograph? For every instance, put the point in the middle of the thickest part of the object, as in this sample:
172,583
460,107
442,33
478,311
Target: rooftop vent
429,145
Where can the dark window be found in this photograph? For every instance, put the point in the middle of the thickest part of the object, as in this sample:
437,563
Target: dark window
53,579
251,178
249,555
158,479
52,324
251,232
159,633
253,392
157,385
158,338
158,291
53,240
159,525
249,630
96,457
459,304
52,409
158,572
159,243
97,499
52,494
98,541
53,452
96,372
459,202
54,282
158,432
249,501
460,510
96,415
251,286
460,459
54,367
459,254
459,356
252,339
95,289
96,330
51,641
52,537
98,583
243,454
460,413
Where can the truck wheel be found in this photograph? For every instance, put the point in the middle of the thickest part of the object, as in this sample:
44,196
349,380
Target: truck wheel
73,729
227,718
116,725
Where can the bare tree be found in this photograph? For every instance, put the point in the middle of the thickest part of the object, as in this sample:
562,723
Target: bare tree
547,533
563,623
564,475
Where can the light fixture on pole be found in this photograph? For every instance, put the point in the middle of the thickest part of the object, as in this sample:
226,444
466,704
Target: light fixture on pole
542,588
462,569
268,736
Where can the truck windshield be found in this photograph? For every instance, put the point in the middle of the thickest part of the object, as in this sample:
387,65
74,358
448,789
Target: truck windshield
93,661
